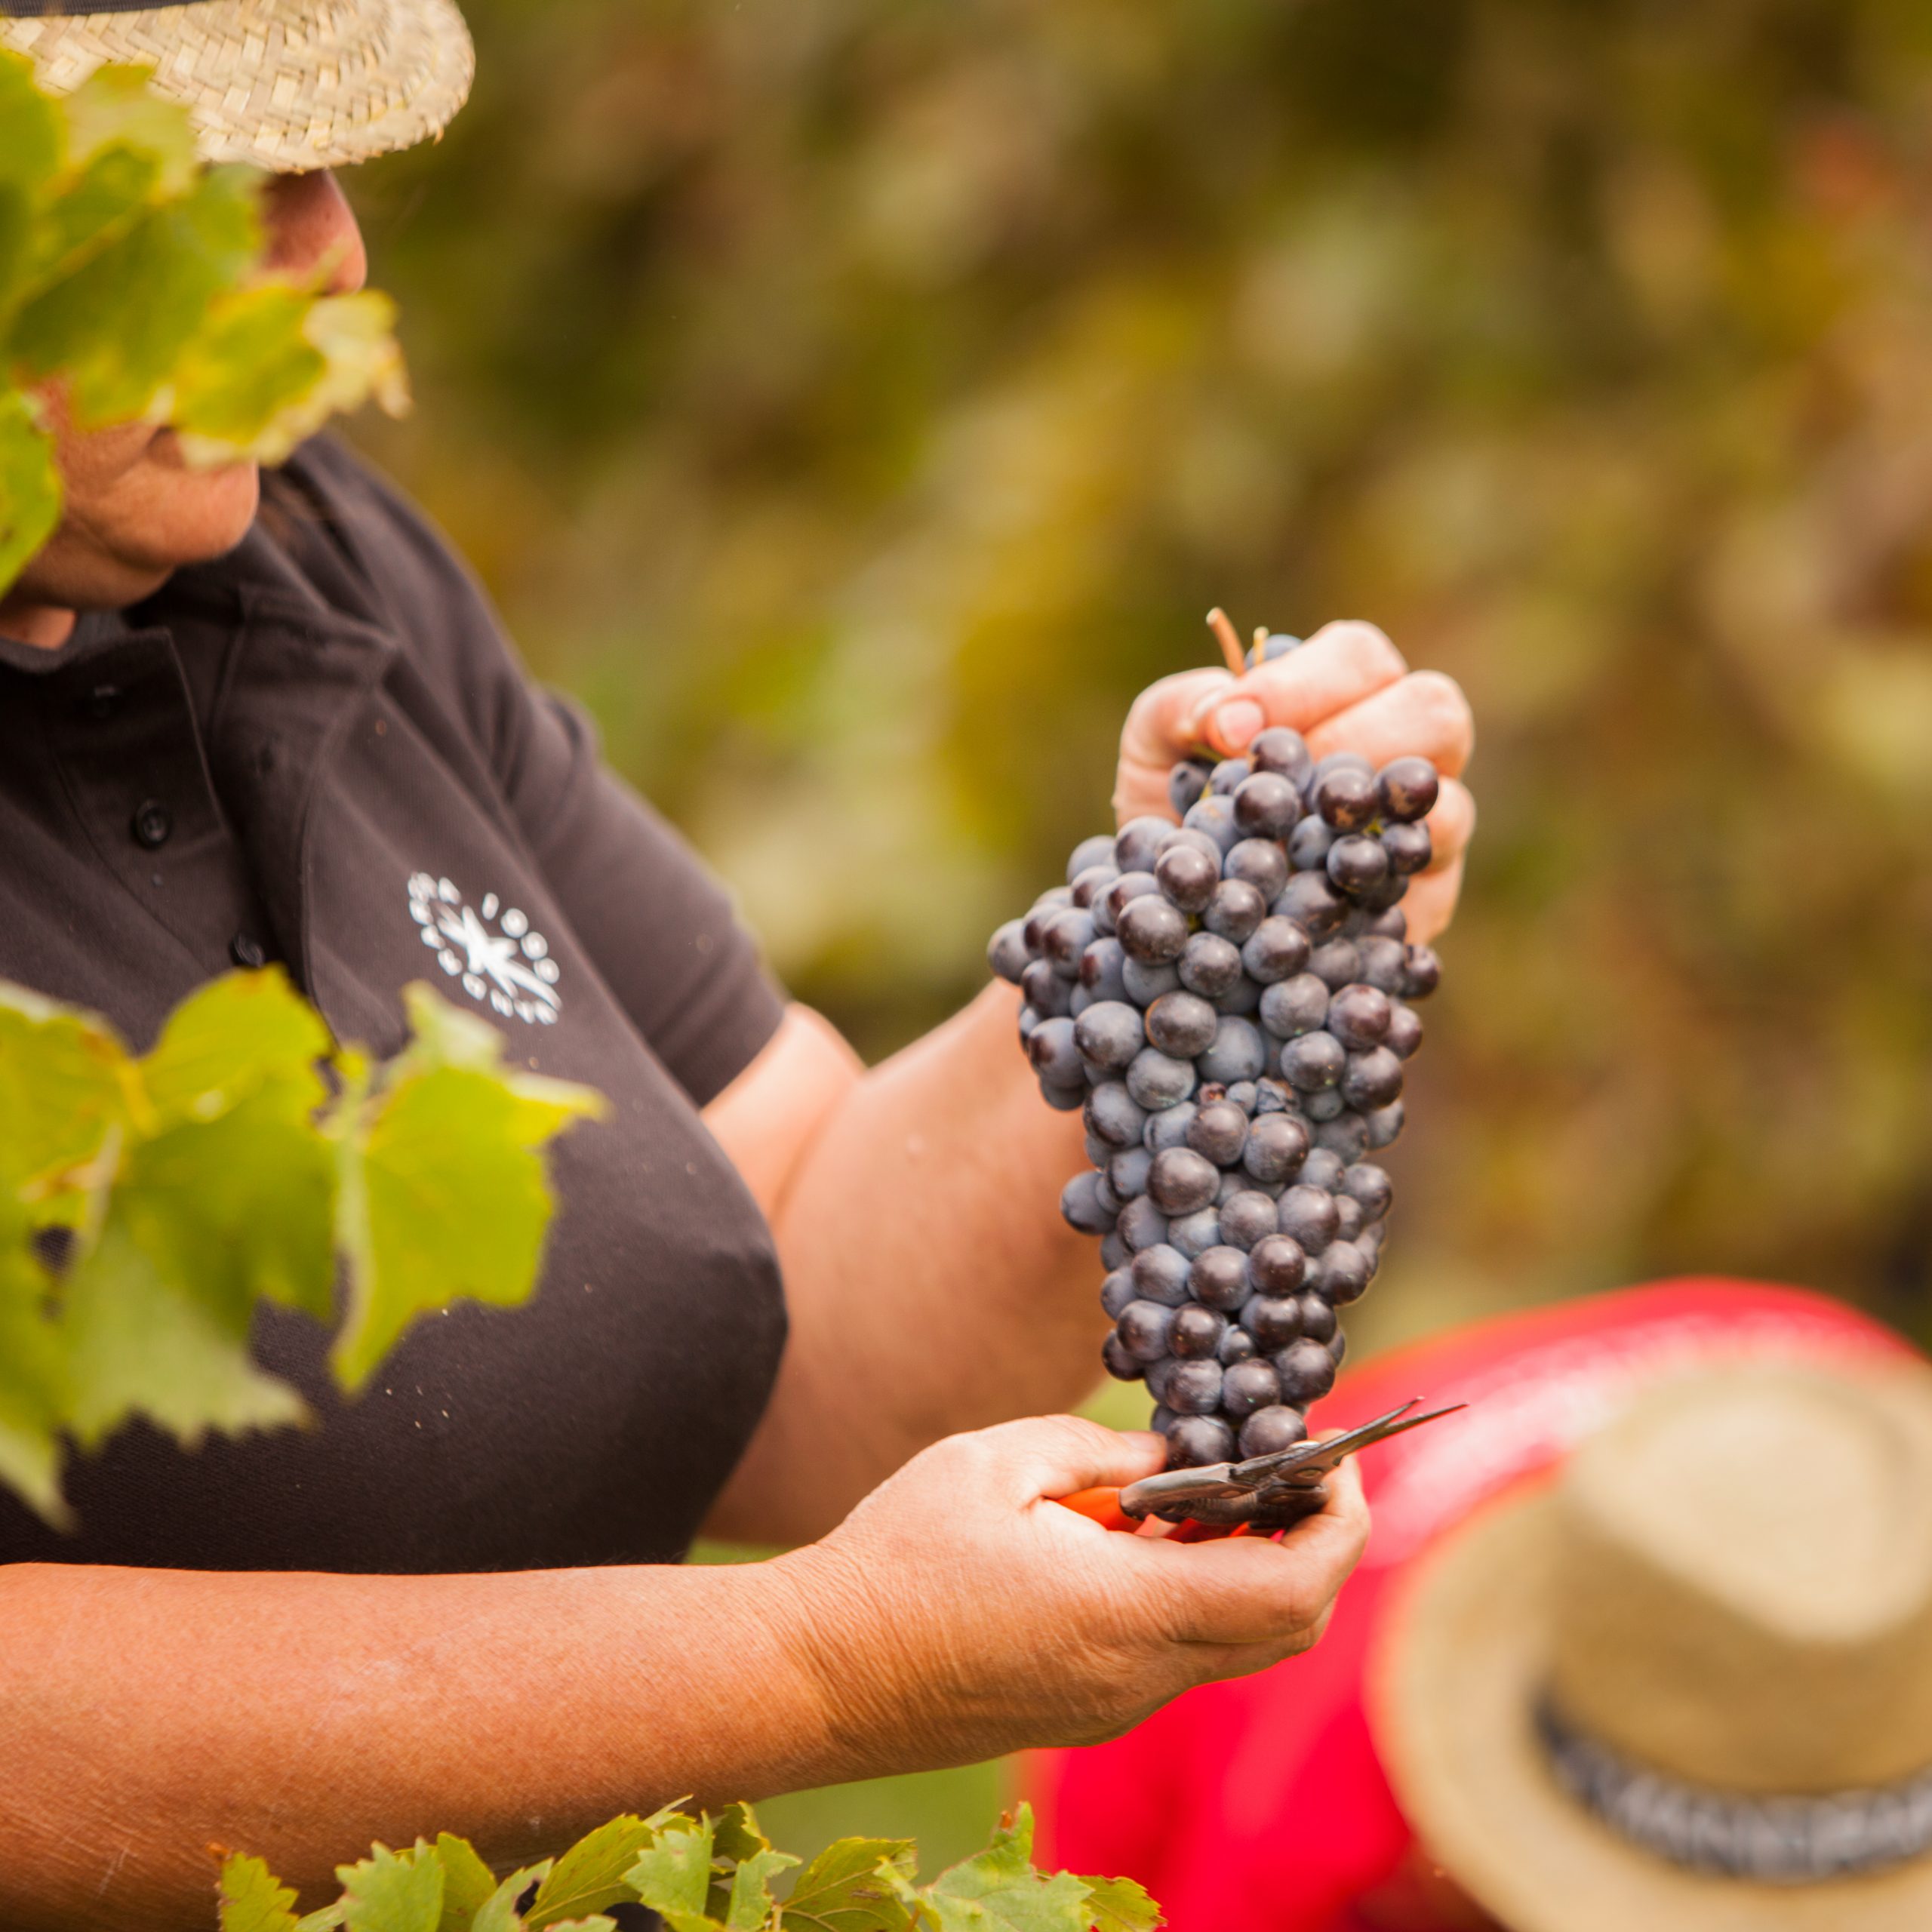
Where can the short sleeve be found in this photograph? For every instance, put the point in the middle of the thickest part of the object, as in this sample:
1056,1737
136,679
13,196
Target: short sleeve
658,924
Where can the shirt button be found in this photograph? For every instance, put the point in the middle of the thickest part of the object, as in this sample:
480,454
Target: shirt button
247,951
151,824
103,701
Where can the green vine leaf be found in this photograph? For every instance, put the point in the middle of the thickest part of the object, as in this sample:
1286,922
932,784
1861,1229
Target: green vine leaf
672,1874
998,1890
855,1885
29,485
498,1913
1119,1905
252,1899
65,1082
468,1883
393,1891
591,1874
245,1035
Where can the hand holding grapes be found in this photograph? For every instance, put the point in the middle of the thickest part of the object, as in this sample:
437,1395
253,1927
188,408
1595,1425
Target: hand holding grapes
1347,688
958,1613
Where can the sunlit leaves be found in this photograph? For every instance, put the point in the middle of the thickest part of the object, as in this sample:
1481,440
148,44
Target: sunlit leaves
148,1207
591,1875
252,1899
129,283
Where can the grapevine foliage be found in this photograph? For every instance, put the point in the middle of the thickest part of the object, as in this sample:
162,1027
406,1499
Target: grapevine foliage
147,1205
129,288
700,1874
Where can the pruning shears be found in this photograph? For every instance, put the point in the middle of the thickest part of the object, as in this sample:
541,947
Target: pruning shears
1257,1496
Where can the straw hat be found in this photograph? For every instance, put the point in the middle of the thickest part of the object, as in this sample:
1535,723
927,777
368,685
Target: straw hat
288,84
1688,1684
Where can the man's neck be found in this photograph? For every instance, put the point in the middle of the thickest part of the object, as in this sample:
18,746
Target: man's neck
49,626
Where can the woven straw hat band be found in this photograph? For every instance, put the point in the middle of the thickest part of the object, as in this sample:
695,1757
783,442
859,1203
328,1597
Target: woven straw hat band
1744,1585
289,85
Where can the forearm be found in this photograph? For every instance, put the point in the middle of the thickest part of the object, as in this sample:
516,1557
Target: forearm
932,1284
145,1715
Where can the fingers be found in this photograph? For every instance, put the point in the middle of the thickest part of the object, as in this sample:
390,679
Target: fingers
1424,713
1157,736
1053,1456
1339,666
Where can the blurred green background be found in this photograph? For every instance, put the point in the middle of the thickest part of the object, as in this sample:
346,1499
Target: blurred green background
857,400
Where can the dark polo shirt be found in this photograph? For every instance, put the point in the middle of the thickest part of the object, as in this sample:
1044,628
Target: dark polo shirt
320,750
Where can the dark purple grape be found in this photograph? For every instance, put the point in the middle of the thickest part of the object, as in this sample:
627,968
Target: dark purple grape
1209,965
1338,1348
1359,1016
1197,1442
1307,1215
1197,1332
1142,1329
1392,922
1049,905
1159,1374
1113,1115
1335,963
1346,1134
1215,816
1276,1144
1092,883
1367,1183
1195,1233
1317,1317
1406,789
1241,1000
1157,1080
1114,1252
1030,1017
1261,863
1047,993
1340,1273
1247,1386
1116,1291
1280,750
1405,1032
1168,1127
1384,1125
1077,1001
1124,890
1109,1034
1306,1369
1313,903
1274,1428
1349,1220
1372,1079
1220,1131
1100,966
1409,849
1234,911
1379,962
1194,839
1063,1099
1183,1024
1423,972
1382,897
1247,1217
1080,1208
1277,1265
1006,951
1237,1345
1186,783
1160,1274
1236,1180
1126,1174
1137,840
1277,949
1151,931
1187,876
1142,1225
1323,1106
1098,850
1121,1366
1323,1170
1356,863
1311,1062
1053,1054
1272,1096
1346,798
1266,806
1274,1321
1098,1152
1194,1387
1294,1007
1145,984
1310,845
1182,1182
1218,1278
1236,1054
1228,777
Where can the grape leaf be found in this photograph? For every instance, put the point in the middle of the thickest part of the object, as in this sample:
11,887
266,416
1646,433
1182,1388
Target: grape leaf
253,1899
393,1892
498,1913
998,1890
591,1875
138,1344
750,1904
672,1874
468,1883
29,485
92,212
64,1084
34,1388
845,1888
1119,1905
742,1866
115,107
31,152
246,1034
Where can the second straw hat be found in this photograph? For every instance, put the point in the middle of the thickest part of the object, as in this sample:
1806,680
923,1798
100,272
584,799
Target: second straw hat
291,85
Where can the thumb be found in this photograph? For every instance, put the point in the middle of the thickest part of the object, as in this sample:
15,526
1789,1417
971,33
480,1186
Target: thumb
1160,731
1055,1456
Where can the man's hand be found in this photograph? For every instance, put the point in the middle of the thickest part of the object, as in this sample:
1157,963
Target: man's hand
1346,689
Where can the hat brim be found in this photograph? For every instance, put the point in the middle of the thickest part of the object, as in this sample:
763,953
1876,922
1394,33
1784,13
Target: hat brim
289,85
1463,1658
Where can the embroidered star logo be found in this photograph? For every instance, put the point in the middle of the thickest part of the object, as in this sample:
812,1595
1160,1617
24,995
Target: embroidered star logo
490,948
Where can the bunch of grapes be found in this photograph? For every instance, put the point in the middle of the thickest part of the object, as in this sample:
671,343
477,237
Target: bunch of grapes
1228,1002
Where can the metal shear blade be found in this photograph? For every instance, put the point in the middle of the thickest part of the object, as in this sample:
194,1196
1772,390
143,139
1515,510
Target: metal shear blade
1300,1467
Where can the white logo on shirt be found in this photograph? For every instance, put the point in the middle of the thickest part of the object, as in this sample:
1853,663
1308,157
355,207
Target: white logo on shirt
490,948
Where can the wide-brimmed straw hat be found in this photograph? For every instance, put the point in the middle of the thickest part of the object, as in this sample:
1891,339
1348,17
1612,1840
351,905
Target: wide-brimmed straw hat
289,85
1687,1687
